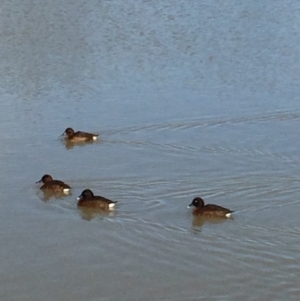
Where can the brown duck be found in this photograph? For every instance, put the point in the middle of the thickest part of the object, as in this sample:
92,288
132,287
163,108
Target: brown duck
209,210
72,136
88,199
54,186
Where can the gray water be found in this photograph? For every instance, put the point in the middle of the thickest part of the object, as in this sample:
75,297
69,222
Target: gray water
189,98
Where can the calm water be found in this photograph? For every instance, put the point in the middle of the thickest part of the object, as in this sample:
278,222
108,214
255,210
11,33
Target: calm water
189,98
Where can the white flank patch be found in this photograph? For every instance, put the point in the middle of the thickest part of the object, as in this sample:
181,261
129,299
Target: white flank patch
95,137
66,190
228,215
111,205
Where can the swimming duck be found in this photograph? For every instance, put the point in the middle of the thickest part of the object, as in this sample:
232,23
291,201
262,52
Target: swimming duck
55,186
209,210
88,199
72,136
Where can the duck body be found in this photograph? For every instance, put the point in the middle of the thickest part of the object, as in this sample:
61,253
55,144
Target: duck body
72,136
209,210
55,186
88,199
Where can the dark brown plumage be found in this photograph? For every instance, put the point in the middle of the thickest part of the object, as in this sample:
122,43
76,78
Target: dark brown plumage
88,199
209,210
79,136
55,186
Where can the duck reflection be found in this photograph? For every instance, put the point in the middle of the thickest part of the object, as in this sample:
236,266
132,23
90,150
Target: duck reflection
199,221
90,213
70,144
46,195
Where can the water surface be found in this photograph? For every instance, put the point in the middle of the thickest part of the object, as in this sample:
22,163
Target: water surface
189,98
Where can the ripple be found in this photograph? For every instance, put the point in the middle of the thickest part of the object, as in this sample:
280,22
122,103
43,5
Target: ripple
194,124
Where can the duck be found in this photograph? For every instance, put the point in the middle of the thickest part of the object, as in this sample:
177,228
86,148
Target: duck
55,186
209,210
88,199
72,136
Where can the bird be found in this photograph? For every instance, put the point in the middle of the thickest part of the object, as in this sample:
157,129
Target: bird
55,186
72,136
209,210
88,199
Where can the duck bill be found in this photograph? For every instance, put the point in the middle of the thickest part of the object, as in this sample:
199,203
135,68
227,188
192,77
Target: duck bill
38,182
190,205
62,134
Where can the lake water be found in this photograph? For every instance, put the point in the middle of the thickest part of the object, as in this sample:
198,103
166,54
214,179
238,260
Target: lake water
190,98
